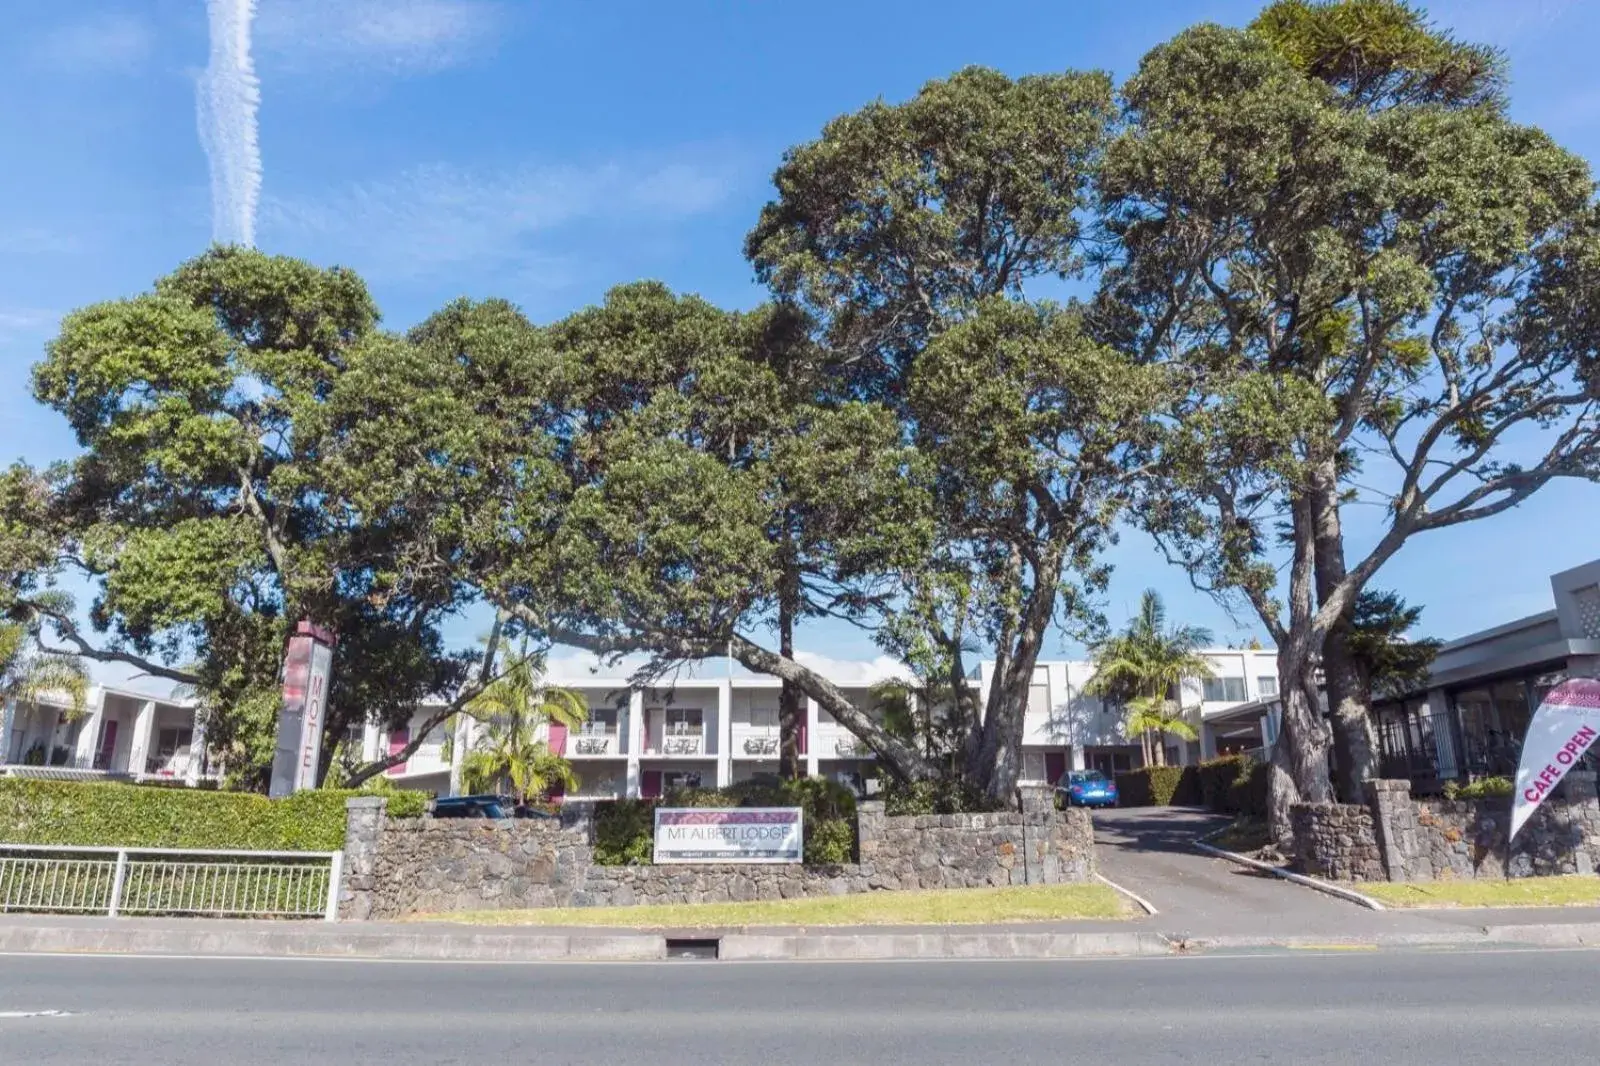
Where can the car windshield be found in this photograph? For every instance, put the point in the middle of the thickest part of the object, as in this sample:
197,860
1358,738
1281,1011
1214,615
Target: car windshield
1087,777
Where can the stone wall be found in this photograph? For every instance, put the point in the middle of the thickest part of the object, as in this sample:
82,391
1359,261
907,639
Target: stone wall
1397,838
396,867
1335,841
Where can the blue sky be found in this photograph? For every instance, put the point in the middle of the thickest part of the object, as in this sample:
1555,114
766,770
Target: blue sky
544,152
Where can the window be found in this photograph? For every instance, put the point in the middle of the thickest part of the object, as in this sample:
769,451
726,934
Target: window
1033,766
1039,700
170,742
1267,685
684,721
672,780
763,715
1223,690
602,722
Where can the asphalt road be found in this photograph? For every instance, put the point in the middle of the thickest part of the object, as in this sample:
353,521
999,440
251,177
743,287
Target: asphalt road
1150,850
1461,1008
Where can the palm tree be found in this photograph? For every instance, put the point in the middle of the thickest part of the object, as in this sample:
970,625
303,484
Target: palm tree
514,708
27,674
1144,667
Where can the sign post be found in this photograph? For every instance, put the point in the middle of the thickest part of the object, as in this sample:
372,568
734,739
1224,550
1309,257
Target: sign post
1562,729
729,834
307,669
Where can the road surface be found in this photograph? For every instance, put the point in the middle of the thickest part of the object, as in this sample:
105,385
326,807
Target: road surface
1464,1008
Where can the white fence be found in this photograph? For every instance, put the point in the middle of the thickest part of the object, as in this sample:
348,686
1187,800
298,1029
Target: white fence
170,881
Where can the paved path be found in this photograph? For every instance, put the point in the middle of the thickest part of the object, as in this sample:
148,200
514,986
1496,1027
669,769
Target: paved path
1150,851
1464,1008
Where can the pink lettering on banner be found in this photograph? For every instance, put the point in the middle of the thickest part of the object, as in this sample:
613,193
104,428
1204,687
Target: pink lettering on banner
1564,727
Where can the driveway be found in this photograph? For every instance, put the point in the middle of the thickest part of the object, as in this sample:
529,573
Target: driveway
1150,851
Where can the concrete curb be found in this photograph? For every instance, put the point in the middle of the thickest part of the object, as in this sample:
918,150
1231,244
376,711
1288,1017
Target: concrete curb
1142,903
1550,935
1348,895
345,943
350,942
942,946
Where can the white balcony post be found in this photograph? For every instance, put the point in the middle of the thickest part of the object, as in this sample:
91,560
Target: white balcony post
370,736
8,722
197,750
89,734
812,741
724,732
633,729
335,876
460,740
143,726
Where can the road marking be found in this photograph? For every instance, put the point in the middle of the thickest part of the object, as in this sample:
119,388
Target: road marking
1332,947
4,1014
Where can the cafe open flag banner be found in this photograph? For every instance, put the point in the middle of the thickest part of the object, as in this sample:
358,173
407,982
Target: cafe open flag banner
1563,728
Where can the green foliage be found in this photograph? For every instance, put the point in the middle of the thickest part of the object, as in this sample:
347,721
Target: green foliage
625,829
1392,663
1233,784
109,814
942,795
624,832
1159,786
27,674
516,707
200,512
1482,788
1144,666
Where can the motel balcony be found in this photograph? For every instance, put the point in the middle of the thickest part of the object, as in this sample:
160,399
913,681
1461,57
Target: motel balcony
594,740
677,739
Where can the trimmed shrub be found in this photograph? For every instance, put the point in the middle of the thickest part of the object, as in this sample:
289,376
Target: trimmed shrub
624,832
108,814
625,829
1158,786
1482,788
1234,784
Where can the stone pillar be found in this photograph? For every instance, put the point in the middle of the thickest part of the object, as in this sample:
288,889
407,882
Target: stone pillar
364,818
812,744
1394,824
89,734
635,741
143,725
724,733
869,829
1040,863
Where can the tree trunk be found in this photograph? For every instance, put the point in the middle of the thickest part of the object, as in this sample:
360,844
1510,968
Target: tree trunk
1000,757
1348,701
1158,749
791,701
1300,755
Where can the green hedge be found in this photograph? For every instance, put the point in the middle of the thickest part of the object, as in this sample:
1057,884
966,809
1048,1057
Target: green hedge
1482,788
1158,786
940,796
109,814
1233,784
625,829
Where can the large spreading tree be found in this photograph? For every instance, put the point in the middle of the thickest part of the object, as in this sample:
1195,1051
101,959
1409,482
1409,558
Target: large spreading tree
1378,288
197,513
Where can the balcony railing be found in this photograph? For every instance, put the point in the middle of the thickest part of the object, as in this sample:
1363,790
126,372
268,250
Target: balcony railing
594,744
761,745
850,748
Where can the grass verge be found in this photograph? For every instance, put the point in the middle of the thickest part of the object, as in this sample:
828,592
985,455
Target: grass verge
953,907
1568,891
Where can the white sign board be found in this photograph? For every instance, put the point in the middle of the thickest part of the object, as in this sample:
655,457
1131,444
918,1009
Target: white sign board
1562,729
729,834
316,710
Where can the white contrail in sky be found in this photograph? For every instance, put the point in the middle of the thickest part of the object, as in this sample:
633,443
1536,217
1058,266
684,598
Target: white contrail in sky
225,104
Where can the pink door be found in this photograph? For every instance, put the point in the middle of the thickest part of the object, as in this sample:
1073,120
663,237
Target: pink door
397,743
800,737
108,745
558,738
1055,764
650,784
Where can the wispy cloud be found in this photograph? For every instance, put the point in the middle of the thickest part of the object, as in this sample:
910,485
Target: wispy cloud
114,43
226,99
435,217
26,323
1499,22
397,36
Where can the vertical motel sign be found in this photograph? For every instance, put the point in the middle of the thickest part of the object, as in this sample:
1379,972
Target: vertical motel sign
307,669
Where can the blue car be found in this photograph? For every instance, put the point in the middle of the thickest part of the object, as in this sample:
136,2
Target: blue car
1086,788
